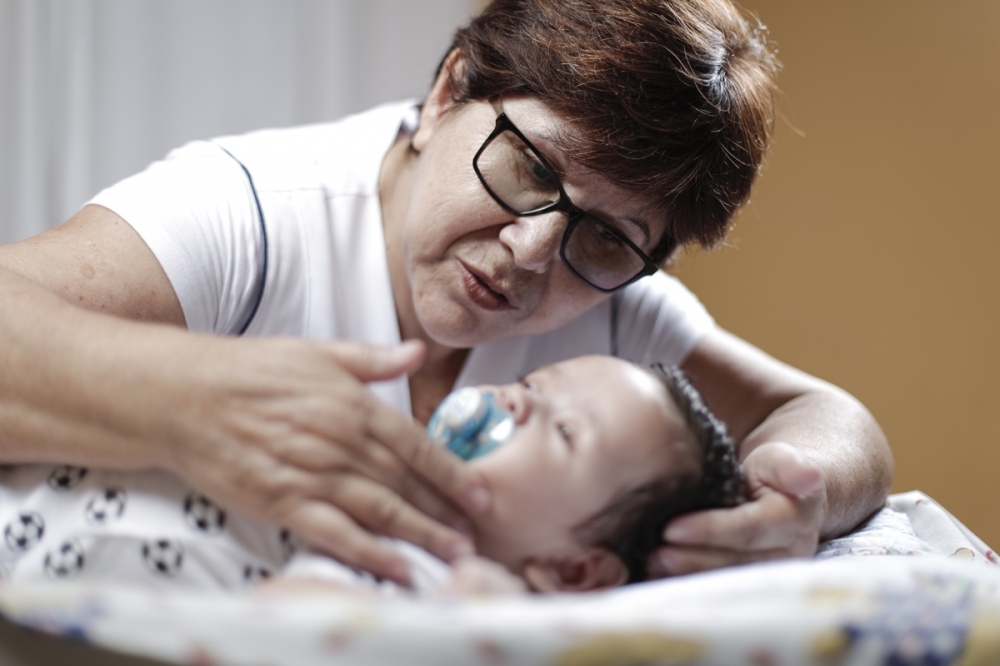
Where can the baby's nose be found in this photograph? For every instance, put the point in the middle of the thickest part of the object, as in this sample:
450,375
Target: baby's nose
515,400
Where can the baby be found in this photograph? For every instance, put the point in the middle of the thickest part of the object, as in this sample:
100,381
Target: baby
604,453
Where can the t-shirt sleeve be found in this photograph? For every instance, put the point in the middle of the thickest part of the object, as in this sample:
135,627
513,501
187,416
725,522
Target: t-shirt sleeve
659,320
196,211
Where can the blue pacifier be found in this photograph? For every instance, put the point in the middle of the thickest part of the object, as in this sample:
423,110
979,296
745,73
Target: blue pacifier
470,423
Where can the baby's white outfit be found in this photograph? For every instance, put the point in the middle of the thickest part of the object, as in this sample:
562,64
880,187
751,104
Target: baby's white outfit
150,529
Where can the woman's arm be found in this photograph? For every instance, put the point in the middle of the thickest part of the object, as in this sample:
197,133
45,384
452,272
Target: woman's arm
281,429
817,463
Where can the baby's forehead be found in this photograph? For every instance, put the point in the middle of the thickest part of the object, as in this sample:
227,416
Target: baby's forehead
655,430
682,438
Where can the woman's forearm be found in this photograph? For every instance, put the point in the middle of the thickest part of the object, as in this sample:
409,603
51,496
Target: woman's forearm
843,441
69,389
839,468
280,429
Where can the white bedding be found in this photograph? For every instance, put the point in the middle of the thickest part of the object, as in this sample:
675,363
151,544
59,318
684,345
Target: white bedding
911,586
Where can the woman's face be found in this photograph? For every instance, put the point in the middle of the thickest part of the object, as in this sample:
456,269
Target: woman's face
474,271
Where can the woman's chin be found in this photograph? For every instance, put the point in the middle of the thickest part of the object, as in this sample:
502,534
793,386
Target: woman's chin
454,326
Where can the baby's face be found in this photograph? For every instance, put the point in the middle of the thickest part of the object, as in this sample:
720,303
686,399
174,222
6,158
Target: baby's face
588,429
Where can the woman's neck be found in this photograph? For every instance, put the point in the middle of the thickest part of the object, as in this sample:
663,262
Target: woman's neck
436,377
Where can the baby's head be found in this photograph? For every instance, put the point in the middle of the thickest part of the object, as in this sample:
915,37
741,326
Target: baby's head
604,454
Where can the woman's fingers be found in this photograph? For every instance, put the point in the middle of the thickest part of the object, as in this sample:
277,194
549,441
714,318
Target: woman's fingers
371,364
382,511
386,426
677,560
774,520
781,519
293,436
331,531
444,471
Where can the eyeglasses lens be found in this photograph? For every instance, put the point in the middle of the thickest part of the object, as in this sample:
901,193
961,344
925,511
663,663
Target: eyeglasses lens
601,256
516,175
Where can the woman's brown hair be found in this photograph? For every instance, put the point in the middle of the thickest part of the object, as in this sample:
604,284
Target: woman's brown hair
671,99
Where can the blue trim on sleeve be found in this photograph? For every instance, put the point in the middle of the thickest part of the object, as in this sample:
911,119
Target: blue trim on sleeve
263,233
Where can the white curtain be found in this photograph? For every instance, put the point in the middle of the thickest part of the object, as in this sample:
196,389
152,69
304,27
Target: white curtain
92,91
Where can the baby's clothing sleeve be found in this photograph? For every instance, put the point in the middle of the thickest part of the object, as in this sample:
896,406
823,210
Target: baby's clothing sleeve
426,571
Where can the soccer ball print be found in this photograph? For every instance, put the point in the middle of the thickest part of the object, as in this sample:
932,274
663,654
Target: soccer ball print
106,506
253,574
26,530
290,543
202,514
163,556
66,477
65,561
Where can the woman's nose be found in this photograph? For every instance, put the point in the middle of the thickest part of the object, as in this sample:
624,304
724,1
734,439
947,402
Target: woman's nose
534,240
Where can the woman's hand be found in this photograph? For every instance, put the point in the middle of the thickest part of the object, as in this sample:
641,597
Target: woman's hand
781,519
286,431
816,462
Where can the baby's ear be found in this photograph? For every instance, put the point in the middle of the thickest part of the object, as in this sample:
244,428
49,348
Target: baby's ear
588,570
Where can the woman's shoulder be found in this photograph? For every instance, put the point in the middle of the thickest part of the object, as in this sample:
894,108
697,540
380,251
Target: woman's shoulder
658,319
343,156
660,293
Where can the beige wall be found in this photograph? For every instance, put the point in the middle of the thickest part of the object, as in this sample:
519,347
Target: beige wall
867,255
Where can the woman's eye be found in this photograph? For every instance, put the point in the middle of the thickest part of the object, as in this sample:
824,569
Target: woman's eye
609,238
542,173
539,174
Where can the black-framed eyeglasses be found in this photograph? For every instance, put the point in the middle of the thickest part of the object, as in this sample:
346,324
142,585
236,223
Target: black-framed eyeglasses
521,180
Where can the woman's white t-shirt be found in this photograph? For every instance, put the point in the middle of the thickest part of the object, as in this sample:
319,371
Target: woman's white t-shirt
316,261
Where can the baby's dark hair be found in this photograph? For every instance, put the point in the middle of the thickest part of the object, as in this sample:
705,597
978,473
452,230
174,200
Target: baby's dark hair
631,526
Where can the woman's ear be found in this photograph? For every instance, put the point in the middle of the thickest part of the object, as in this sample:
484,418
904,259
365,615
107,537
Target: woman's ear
589,570
439,99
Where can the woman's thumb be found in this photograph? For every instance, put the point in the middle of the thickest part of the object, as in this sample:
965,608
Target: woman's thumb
789,471
369,363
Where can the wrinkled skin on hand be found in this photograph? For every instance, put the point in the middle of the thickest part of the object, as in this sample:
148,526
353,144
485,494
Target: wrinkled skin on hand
285,430
781,518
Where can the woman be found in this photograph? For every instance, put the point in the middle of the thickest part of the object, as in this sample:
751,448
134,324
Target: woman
565,150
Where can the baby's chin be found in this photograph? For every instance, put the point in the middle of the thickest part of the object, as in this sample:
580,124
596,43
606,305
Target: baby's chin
493,548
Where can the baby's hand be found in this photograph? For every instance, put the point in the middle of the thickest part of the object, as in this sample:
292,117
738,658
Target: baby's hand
474,576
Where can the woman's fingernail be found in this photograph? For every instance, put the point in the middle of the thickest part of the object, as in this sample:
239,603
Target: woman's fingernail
666,564
464,527
400,572
479,499
460,549
677,532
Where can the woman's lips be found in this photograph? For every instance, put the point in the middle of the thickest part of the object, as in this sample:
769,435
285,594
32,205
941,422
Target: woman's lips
483,292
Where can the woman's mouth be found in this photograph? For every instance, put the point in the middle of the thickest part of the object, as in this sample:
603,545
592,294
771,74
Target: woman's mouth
483,292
